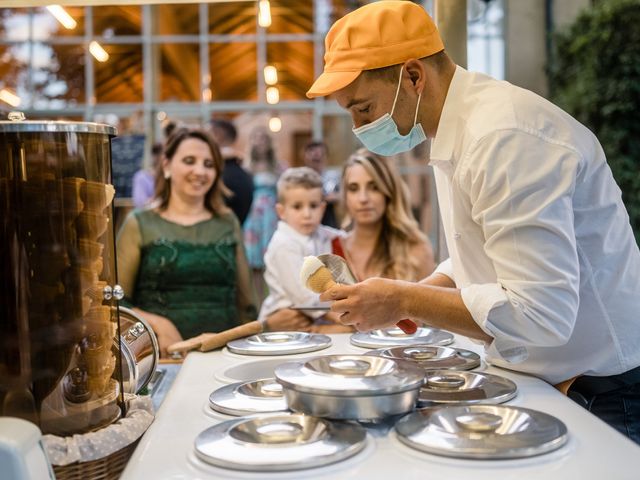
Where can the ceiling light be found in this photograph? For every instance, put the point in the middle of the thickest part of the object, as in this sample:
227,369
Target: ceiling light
264,13
273,95
62,16
275,124
9,97
270,75
98,52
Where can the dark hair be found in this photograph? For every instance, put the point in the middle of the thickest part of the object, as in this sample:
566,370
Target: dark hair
314,144
213,200
390,73
156,149
229,131
169,128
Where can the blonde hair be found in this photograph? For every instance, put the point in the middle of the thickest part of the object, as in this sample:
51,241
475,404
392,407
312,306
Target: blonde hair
400,231
304,177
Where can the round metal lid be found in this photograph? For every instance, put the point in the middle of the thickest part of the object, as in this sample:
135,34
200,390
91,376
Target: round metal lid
19,125
350,375
395,336
279,343
245,398
431,357
482,431
279,442
464,388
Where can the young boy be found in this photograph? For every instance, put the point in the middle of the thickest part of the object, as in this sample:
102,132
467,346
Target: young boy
300,208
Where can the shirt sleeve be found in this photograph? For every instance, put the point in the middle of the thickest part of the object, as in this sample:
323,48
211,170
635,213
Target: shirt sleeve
128,246
520,189
446,268
282,275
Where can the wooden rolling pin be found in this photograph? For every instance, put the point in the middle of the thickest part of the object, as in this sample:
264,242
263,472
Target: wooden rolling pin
317,278
210,341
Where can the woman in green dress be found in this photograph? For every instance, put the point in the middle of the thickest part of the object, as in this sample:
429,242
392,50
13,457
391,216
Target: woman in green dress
181,262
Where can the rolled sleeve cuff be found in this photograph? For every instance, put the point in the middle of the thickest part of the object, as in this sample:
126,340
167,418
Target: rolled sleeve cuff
484,302
445,268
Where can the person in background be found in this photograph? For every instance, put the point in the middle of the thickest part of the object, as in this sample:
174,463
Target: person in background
262,220
315,156
144,180
299,234
383,239
181,261
543,260
235,178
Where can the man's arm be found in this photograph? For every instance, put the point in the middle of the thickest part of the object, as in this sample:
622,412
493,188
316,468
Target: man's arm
380,303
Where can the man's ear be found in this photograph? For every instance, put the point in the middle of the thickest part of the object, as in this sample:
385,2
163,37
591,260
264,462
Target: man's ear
417,73
280,210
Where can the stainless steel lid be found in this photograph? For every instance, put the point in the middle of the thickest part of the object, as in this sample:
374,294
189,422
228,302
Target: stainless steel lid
245,398
463,388
395,336
431,357
482,431
17,124
350,375
279,442
279,343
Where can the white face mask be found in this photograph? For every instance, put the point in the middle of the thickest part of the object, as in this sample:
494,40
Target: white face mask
382,136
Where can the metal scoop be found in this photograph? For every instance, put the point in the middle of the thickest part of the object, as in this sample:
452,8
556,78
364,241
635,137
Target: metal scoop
339,269
342,274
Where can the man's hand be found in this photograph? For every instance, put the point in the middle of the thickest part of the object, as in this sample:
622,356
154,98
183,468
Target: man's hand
288,319
374,303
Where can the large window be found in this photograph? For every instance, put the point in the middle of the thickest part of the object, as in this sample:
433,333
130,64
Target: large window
137,66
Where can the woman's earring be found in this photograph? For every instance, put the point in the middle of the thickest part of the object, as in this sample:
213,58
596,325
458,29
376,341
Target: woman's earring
167,175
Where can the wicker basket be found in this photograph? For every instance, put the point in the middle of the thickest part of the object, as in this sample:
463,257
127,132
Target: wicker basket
106,468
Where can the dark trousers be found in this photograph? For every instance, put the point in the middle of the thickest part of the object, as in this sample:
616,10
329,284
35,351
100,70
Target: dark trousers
614,399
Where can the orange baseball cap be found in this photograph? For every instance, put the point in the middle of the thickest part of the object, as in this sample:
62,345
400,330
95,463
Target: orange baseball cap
377,35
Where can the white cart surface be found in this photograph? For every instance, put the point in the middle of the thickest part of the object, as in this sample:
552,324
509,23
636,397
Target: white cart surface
594,450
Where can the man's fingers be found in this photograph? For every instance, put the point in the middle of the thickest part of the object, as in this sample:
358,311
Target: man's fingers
337,292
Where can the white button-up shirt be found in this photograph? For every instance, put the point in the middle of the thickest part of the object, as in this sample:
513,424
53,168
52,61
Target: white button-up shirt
539,240
283,261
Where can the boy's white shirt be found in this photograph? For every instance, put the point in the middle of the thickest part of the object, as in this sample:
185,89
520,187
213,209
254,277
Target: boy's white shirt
283,260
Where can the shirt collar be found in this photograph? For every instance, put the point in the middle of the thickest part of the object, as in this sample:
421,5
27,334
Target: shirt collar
290,231
443,143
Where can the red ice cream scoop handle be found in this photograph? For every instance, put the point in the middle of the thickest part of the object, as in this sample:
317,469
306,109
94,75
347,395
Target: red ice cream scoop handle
407,326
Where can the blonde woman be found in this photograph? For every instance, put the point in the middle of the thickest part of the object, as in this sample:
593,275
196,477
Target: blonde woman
383,238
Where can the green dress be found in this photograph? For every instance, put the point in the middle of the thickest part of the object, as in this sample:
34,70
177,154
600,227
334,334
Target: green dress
194,275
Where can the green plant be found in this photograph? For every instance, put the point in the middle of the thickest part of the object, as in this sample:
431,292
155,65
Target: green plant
595,76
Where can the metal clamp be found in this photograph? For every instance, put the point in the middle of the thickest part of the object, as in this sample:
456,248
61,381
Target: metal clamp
136,330
118,292
107,292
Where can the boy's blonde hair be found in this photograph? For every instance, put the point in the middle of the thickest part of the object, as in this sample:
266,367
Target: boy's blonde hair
304,177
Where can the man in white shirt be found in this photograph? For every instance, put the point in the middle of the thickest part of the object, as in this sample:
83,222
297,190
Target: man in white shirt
543,266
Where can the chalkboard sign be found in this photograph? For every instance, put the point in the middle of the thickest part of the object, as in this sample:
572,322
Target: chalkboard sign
127,155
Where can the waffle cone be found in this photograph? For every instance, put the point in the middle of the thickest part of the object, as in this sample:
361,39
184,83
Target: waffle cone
321,280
